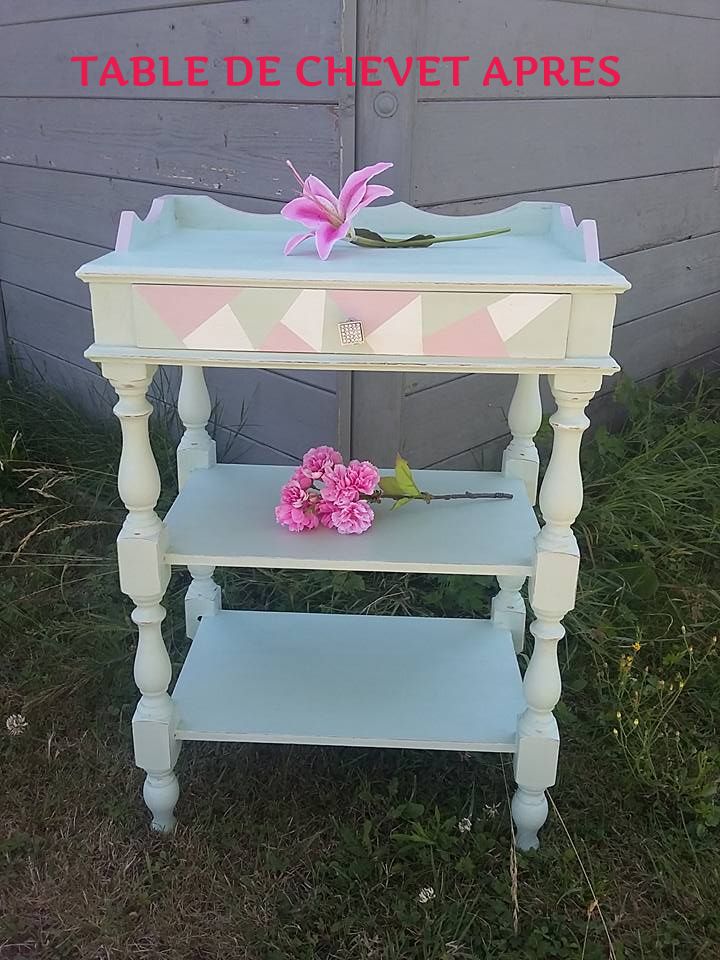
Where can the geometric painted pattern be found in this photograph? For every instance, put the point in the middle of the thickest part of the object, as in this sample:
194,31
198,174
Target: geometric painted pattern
390,322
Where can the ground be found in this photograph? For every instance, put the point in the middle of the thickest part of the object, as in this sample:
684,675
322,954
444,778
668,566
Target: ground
304,853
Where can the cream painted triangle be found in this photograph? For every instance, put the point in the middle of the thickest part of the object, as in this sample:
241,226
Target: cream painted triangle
512,313
306,317
401,334
222,331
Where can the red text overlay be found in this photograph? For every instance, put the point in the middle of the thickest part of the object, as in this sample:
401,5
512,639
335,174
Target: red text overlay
330,71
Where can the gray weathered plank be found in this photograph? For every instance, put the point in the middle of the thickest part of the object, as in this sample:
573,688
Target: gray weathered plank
61,329
376,428
668,275
686,8
389,29
466,149
540,28
4,341
668,338
31,11
45,263
631,214
438,423
286,414
239,148
84,206
86,390
175,33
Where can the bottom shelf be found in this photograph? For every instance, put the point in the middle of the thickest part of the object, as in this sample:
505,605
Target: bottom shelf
423,683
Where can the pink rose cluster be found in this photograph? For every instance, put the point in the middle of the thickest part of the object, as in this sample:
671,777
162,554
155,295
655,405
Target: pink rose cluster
325,491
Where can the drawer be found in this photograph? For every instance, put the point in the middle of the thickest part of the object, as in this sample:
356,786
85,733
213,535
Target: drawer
366,322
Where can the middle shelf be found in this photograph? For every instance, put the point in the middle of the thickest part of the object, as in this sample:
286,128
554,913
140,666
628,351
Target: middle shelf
224,516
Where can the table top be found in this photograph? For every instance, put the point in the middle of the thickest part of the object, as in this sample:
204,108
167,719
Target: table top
195,239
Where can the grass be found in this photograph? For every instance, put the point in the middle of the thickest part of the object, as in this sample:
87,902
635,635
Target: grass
305,853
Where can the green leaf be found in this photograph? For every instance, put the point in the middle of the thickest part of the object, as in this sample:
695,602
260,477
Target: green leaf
401,503
368,234
405,479
419,240
391,486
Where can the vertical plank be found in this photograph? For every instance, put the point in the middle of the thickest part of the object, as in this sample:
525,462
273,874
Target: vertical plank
376,417
4,339
385,130
385,116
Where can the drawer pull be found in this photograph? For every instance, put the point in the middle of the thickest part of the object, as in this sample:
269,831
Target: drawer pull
351,332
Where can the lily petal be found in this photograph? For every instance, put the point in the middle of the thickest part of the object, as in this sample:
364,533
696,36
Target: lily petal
306,211
314,187
327,236
355,186
373,192
296,241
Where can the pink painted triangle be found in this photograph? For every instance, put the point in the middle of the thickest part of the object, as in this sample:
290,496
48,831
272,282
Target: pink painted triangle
473,336
371,307
281,339
184,308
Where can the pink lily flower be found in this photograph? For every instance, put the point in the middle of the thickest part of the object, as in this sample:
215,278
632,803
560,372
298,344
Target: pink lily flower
328,218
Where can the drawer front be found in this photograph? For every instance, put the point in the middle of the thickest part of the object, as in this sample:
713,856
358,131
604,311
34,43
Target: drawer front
365,322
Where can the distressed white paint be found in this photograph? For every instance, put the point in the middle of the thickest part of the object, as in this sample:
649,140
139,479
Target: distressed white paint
520,458
301,678
144,575
552,595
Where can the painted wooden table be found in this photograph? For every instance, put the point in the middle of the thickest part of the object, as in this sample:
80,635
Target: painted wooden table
197,284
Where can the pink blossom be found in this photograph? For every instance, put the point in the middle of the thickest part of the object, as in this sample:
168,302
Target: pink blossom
325,512
328,218
295,493
356,517
364,475
340,488
302,478
345,484
318,461
295,518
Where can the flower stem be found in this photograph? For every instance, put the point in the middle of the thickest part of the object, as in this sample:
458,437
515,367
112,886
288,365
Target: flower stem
428,497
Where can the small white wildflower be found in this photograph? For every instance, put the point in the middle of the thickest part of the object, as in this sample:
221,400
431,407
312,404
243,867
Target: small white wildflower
465,825
16,724
491,810
426,895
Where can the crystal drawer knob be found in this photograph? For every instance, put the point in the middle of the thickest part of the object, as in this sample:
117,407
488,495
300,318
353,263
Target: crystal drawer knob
351,332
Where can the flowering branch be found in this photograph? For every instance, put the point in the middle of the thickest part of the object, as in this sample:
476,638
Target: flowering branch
429,497
324,491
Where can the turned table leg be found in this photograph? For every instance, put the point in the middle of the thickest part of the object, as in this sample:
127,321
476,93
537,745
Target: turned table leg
196,451
144,577
521,460
552,595
520,457
508,609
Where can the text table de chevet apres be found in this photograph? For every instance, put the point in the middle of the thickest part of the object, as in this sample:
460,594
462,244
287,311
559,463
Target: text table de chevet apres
197,284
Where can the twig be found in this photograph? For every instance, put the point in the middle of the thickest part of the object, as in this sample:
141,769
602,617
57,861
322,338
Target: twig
428,497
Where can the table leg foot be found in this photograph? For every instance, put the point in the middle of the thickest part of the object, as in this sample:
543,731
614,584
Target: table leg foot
161,792
529,811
